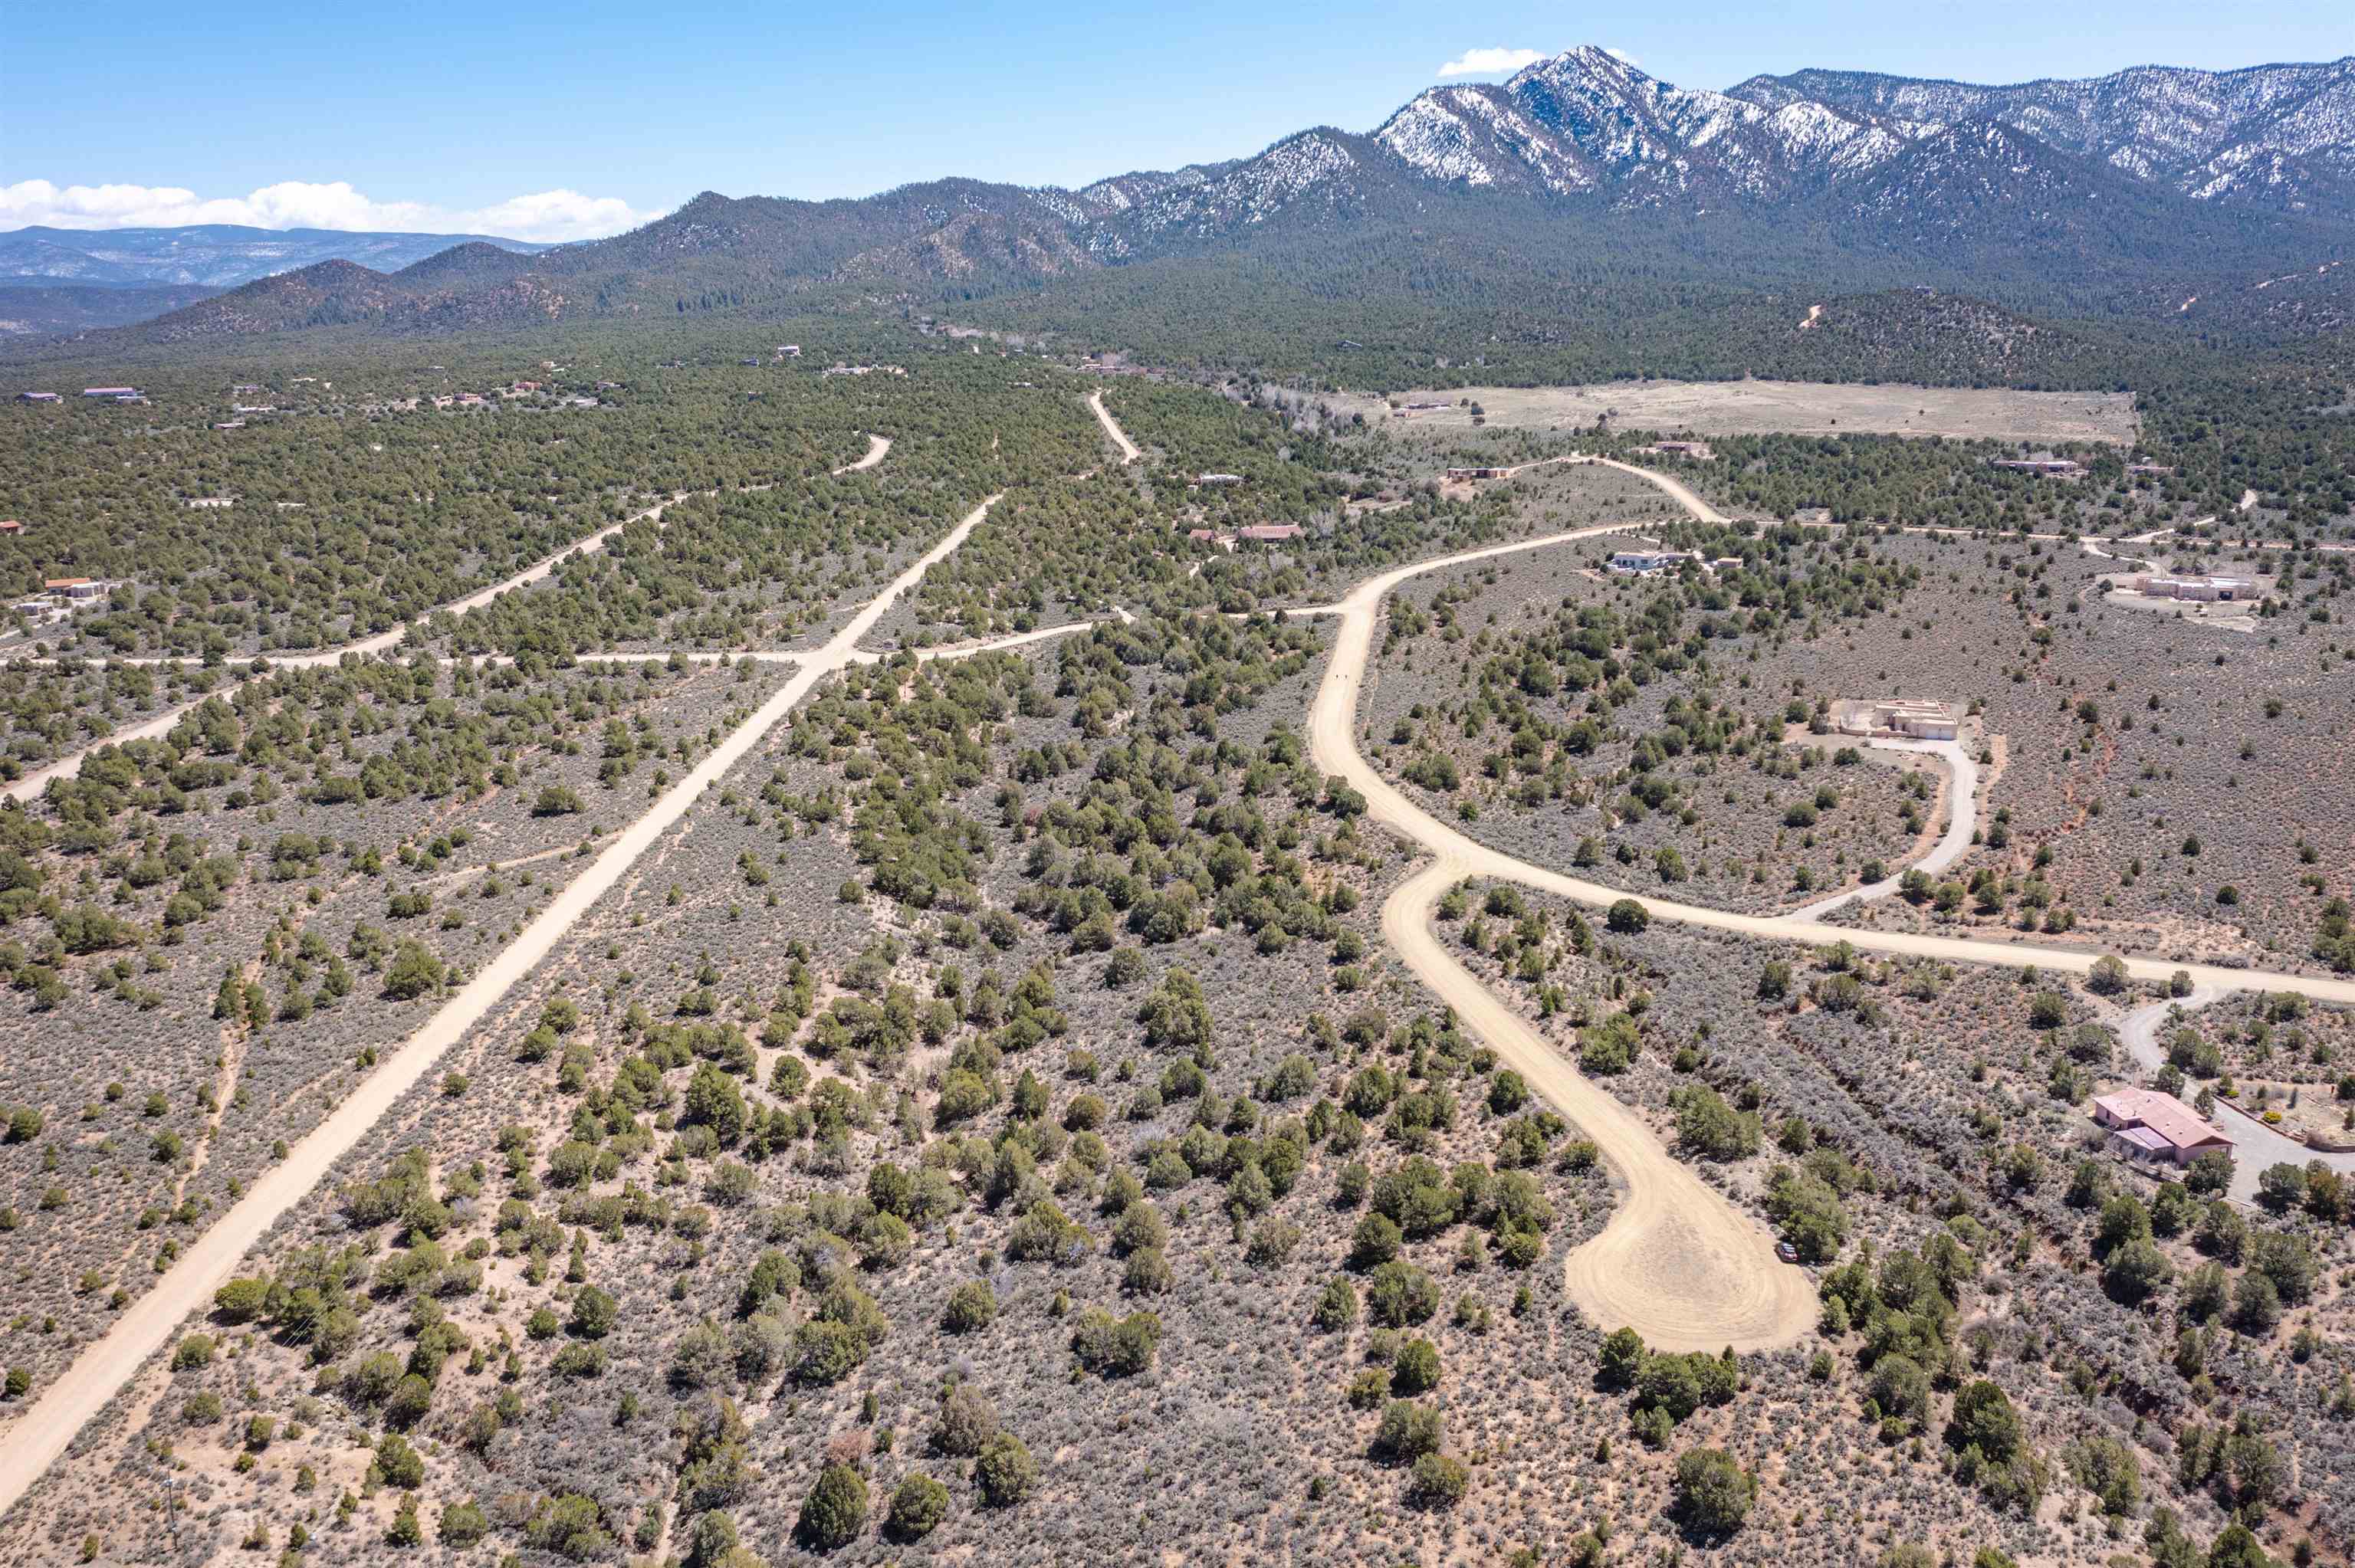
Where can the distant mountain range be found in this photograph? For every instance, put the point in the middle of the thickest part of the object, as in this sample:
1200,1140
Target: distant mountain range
49,311
2213,198
2280,137
213,255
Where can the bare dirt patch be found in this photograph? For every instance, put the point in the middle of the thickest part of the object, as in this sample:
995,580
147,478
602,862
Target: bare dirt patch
1771,407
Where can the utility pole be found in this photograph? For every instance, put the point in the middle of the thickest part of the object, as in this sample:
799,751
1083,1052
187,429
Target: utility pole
170,1487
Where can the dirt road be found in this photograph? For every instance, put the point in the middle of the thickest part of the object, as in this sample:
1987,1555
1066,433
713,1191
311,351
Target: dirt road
104,1366
1676,488
1364,602
1710,1274
29,786
1962,822
1677,1263
384,642
1359,613
1129,451
876,447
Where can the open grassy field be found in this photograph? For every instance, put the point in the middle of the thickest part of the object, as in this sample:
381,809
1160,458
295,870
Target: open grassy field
1769,407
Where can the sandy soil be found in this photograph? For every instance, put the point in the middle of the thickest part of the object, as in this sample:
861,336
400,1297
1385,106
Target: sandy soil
31,786
1333,740
385,642
1768,407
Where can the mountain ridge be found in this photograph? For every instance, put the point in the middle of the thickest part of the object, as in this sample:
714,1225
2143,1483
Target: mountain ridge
213,255
2280,134
1869,183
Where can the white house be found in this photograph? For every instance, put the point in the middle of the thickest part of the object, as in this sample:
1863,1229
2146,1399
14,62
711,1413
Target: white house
1645,556
2206,589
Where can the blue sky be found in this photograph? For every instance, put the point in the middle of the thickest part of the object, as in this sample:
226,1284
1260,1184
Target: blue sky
583,116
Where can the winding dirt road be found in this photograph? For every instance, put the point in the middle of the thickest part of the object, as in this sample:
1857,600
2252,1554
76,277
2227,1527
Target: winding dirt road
1677,1262
104,1366
1962,822
1359,612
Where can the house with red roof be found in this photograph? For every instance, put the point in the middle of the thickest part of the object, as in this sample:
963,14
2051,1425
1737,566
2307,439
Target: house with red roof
2145,1124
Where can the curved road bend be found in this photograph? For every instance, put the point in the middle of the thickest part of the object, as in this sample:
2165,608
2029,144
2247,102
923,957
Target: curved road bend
1714,1278
876,447
107,1363
1360,610
1962,822
1677,1262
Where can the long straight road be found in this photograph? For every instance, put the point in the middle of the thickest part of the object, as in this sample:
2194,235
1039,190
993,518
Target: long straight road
1129,451
104,1366
1679,1260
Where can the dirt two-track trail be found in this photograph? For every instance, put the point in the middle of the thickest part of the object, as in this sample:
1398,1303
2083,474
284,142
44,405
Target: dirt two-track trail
29,786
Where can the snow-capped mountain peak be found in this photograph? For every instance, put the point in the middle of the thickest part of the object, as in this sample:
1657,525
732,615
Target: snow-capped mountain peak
1586,118
2278,136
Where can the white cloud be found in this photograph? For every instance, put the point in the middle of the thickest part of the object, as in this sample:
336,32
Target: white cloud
557,215
1622,55
1490,62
